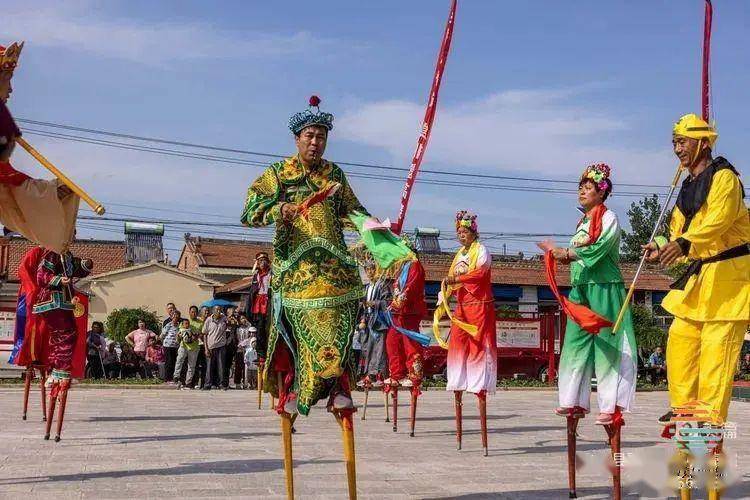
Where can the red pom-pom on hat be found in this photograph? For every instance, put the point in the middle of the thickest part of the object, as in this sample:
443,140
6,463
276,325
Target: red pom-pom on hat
314,101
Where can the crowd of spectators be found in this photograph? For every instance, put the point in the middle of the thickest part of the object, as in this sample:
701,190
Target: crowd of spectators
207,349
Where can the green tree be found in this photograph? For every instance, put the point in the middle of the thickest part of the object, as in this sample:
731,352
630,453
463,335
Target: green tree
120,322
648,333
642,217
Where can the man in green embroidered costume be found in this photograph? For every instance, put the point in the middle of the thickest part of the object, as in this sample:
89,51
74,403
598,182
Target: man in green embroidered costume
316,284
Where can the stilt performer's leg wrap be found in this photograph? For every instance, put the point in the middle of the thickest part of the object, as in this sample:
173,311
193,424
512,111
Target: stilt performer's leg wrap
459,417
63,396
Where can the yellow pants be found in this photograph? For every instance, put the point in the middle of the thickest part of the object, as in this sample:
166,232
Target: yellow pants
701,361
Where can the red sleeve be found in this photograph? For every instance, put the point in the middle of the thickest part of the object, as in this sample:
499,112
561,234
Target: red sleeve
474,277
11,176
414,287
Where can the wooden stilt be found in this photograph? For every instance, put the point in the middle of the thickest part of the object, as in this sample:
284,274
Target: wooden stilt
572,422
260,385
364,407
28,377
43,391
64,386
273,402
345,420
613,431
394,395
414,395
387,406
457,395
482,400
286,436
51,409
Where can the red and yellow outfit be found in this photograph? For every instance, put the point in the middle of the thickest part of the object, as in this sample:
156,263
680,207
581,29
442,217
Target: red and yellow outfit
407,310
32,335
472,347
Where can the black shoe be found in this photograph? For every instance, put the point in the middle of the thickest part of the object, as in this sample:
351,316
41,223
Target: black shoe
666,419
207,388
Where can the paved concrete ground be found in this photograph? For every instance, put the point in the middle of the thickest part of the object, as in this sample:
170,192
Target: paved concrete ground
127,443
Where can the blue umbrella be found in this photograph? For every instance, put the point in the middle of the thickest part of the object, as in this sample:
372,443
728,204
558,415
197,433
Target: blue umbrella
217,302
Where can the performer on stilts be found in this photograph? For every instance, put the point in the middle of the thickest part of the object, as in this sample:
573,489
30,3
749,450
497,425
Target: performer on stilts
31,339
372,328
259,311
597,293
59,307
472,346
710,231
41,210
315,286
405,353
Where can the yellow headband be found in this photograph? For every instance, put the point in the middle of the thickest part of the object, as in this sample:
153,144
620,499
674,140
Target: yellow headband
694,127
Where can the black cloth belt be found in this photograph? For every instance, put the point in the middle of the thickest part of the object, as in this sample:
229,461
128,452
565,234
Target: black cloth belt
696,265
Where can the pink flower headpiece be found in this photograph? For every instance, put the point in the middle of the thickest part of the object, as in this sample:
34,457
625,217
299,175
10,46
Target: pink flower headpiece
464,218
599,173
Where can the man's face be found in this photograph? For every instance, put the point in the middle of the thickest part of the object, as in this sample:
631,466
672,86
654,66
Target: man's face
176,317
96,328
193,312
243,321
311,144
230,311
465,236
217,311
370,272
658,351
685,149
170,309
5,86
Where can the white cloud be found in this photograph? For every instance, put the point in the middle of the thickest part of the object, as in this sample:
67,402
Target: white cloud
74,26
547,132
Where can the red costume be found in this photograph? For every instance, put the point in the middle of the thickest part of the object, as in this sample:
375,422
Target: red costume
33,335
407,309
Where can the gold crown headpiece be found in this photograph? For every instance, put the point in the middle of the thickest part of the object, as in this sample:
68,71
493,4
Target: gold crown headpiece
9,56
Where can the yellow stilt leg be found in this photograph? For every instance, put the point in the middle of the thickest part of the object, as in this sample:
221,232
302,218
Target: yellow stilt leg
286,435
345,420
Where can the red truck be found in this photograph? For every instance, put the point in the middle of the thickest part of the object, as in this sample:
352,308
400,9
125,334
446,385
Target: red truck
527,346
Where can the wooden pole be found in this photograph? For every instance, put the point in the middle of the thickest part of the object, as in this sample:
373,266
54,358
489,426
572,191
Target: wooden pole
414,395
387,406
29,376
482,399
95,205
394,395
51,408
345,420
613,431
64,386
364,407
260,385
43,390
459,417
572,427
286,436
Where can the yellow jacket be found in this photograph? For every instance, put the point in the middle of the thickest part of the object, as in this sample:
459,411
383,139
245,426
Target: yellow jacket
721,291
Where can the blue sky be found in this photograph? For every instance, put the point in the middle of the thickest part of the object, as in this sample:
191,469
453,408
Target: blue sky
534,89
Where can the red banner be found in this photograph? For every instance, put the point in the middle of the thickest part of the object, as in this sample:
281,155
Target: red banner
429,117
706,84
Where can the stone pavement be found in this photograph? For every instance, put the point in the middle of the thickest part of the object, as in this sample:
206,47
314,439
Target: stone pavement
151,443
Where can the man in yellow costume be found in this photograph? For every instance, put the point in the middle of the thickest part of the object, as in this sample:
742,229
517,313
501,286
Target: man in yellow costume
710,231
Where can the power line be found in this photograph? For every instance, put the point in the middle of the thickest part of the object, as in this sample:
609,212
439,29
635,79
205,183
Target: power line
279,156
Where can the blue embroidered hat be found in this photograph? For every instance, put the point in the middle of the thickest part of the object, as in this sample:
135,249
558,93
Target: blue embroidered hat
308,117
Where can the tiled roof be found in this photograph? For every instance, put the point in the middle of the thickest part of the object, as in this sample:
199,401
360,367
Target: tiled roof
107,255
200,252
531,272
235,286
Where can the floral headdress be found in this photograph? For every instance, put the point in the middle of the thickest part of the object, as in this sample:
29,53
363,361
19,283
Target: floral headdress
464,218
599,173
308,117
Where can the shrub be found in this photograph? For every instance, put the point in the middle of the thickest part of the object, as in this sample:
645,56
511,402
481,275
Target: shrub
120,322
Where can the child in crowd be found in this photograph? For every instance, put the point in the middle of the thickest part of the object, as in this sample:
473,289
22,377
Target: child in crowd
154,359
188,351
251,364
